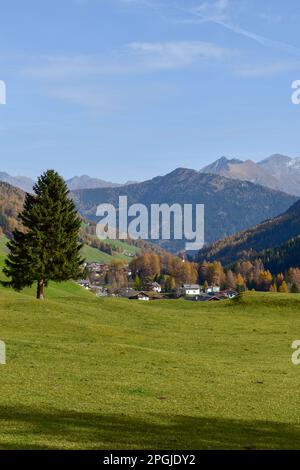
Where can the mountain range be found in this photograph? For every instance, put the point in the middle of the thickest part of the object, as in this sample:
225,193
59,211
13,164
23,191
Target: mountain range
276,172
21,182
237,195
86,182
77,182
231,205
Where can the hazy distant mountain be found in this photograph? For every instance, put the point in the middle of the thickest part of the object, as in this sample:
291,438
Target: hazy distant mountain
244,171
230,205
285,170
77,182
22,182
86,182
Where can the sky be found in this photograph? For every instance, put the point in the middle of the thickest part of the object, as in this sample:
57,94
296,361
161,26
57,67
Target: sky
131,89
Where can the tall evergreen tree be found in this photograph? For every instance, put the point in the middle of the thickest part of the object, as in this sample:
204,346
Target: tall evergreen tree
48,247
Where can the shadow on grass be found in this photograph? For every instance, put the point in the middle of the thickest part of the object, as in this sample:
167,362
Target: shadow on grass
24,428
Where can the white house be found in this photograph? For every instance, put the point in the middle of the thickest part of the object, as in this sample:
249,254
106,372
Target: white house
155,287
191,289
84,283
213,289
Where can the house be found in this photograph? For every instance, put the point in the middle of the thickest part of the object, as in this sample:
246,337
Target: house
154,287
213,289
140,296
102,293
125,292
191,289
213,298
229,293
84,283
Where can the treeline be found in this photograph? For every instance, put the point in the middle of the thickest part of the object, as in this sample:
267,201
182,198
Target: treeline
249,275
281,258
170,271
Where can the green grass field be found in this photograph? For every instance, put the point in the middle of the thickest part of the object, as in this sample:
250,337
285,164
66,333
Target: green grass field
89,373
93,254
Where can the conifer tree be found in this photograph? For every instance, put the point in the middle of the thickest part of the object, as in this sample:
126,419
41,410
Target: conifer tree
137,282
47,248
284,288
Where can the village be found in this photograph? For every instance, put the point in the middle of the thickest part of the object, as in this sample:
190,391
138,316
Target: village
96,281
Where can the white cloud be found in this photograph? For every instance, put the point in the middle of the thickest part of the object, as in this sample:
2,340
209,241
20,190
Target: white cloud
214,9
218,12
83,66
94,100
179,54
134,58
266,70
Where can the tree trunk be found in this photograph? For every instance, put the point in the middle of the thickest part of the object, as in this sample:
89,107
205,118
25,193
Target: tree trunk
40,290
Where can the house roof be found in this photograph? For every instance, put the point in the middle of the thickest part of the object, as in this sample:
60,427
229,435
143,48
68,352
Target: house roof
139,294
191,286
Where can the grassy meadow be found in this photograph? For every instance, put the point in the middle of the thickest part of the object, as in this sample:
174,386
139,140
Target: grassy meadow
93,254
89,373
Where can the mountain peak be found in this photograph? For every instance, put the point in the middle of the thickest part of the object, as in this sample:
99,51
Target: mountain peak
22,182
88,182
276,158
179,173
247,170
222,164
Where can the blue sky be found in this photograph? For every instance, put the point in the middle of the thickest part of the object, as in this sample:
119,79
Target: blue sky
129,89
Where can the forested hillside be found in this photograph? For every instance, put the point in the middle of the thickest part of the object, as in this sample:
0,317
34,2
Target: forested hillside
250,243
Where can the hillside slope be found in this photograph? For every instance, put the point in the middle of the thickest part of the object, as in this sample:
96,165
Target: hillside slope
283,257
265,236
11,203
